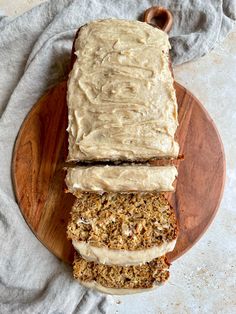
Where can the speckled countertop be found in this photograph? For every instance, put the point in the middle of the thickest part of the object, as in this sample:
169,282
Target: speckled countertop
204,279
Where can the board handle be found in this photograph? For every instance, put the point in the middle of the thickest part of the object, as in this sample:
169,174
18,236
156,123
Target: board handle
159,17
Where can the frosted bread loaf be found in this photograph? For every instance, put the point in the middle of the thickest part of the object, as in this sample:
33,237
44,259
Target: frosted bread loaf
121,107
121,99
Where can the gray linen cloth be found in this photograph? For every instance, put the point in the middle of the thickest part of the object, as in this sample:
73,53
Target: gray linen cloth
34,54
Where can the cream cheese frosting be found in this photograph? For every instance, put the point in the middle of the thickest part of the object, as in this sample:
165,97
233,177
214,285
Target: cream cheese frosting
108,256
133,178
121,100
116,291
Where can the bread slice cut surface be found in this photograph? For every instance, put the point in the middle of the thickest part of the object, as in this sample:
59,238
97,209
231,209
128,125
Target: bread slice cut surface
121,279
122,229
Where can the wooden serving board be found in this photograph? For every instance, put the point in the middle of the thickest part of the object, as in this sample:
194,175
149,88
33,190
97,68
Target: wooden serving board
38,175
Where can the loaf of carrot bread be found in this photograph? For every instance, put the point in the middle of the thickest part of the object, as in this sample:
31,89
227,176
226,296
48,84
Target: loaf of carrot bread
121,99
121,108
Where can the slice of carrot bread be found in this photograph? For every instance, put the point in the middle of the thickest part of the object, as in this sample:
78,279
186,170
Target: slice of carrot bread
122,229
125,178
121,279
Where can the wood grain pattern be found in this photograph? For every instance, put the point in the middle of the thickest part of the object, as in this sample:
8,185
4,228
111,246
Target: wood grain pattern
38,175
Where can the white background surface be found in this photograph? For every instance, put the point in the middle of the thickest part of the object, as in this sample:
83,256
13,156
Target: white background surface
17,7
204,279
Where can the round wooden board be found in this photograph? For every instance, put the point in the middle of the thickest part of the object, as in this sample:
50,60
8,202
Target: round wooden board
38,175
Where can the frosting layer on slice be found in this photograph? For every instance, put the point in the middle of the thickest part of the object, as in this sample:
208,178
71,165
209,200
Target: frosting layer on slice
108,256
134,178
121,100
